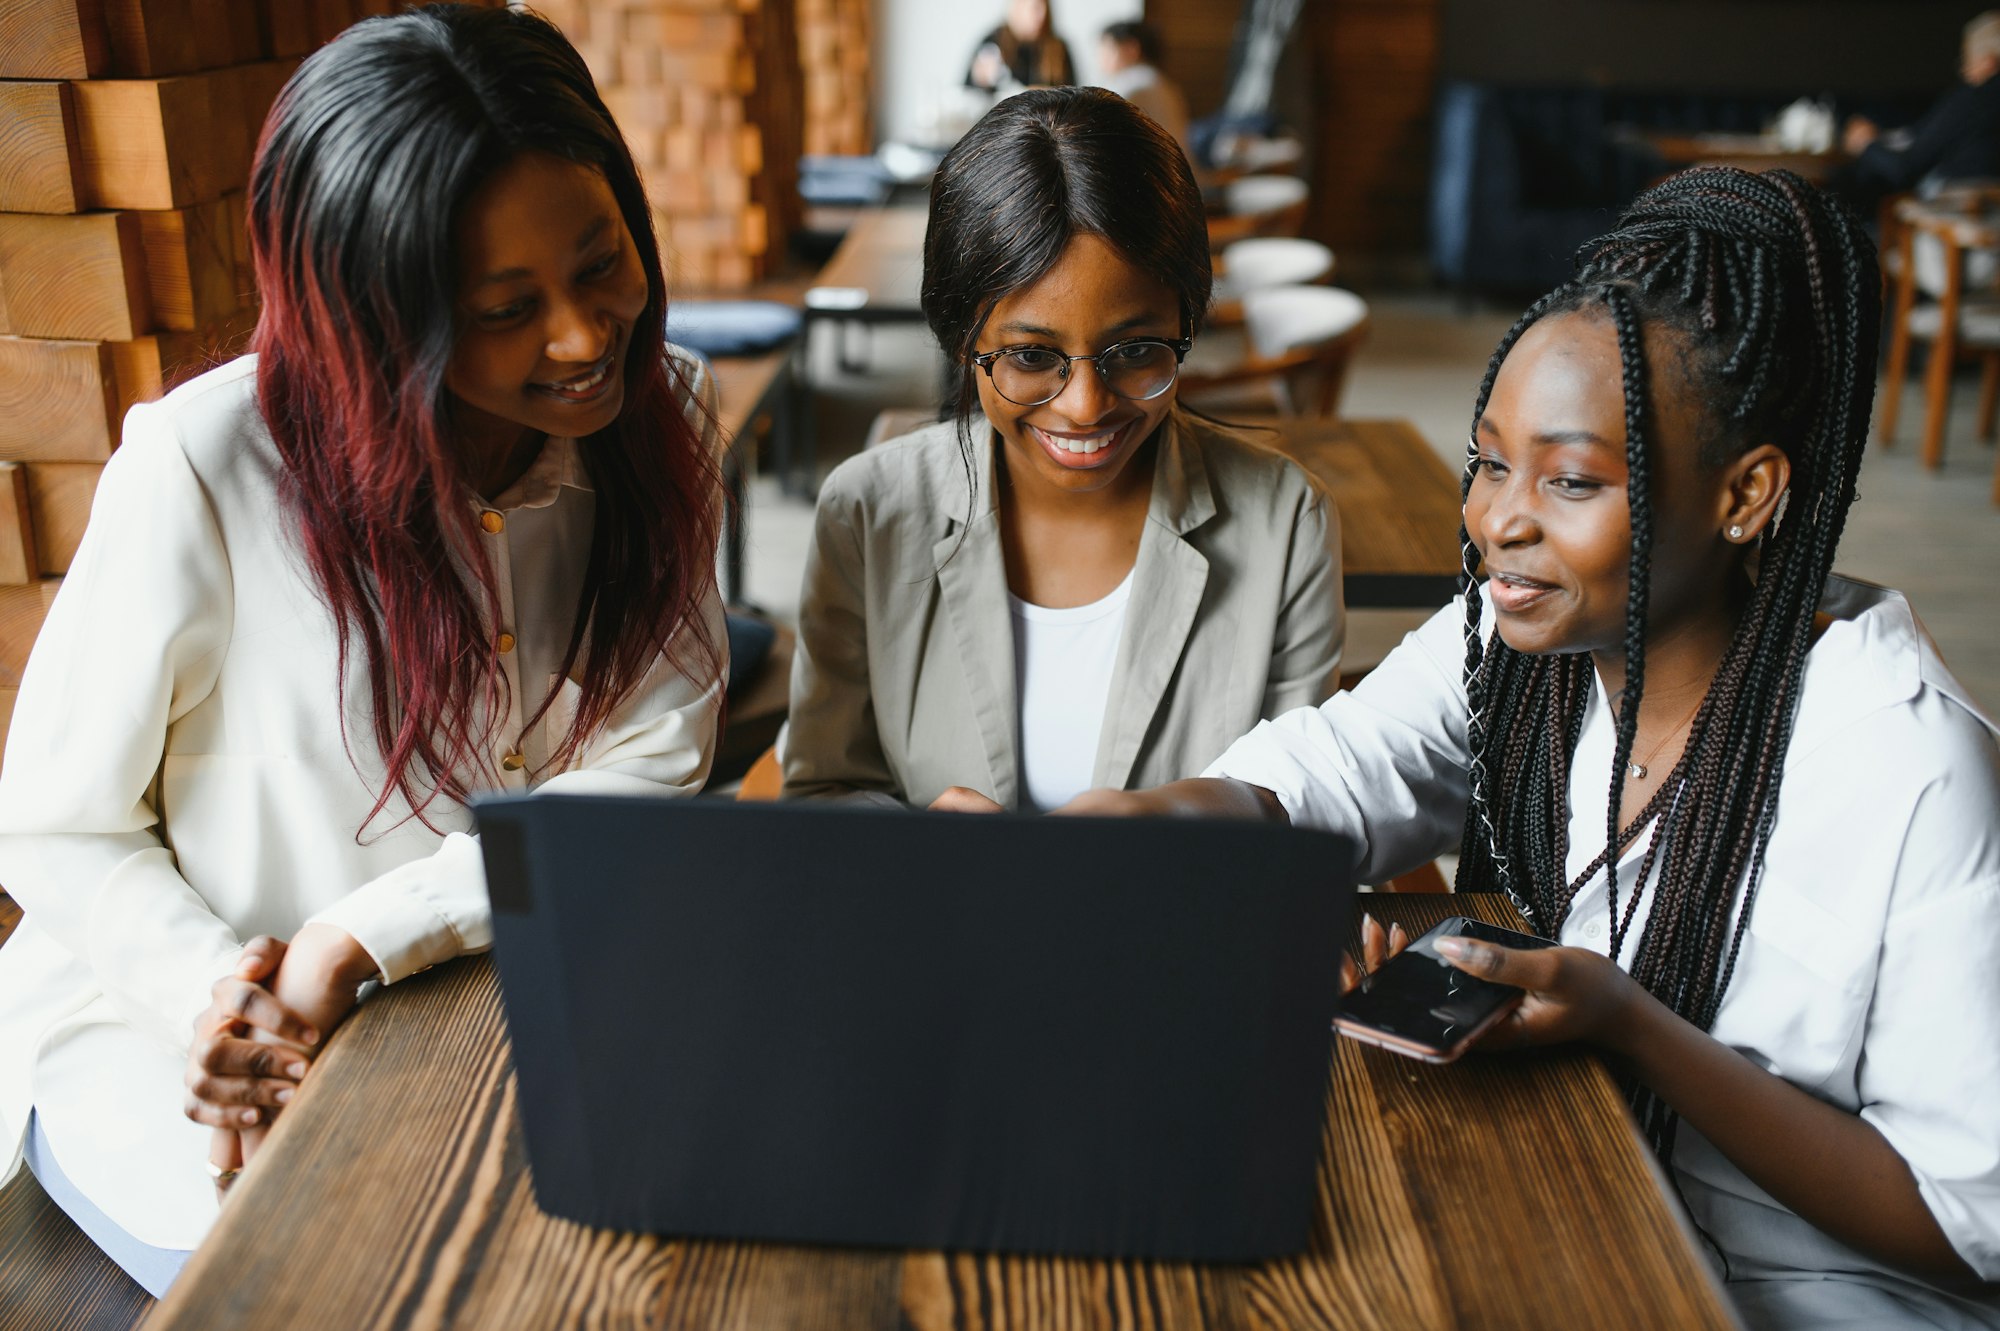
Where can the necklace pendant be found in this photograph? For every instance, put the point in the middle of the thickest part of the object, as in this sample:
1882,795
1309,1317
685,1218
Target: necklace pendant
1638,771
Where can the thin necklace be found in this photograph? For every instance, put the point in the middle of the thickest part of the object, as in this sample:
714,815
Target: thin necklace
1638,770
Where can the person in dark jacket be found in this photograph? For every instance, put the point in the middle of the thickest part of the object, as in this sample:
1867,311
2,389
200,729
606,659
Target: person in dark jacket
1957,139
1023,52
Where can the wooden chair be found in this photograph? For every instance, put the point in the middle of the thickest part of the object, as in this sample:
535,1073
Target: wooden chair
1294,346
1945,250
1261,262
1259,206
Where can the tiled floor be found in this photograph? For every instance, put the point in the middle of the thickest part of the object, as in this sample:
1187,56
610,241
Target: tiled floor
1936,535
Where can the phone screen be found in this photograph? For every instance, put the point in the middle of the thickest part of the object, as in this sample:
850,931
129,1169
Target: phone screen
1418,1004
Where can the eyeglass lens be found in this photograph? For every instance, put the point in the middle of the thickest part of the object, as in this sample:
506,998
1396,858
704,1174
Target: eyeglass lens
1138,370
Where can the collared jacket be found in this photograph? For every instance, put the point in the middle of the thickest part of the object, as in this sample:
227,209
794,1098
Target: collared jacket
903,681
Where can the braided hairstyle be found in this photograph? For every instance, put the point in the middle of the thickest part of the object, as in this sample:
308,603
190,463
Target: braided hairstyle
1773,292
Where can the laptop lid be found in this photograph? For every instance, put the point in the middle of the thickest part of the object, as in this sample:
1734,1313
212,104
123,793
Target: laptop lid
832,1024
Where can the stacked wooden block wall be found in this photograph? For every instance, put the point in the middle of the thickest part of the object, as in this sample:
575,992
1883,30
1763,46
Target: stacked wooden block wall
833,57
707,95
126,133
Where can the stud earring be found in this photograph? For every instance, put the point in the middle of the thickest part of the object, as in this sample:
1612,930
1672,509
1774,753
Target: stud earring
1735,532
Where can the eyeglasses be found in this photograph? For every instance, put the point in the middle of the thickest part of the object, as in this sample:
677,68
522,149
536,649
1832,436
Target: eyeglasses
1139,369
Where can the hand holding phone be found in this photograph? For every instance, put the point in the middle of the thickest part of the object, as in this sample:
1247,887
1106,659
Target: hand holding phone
1419,1005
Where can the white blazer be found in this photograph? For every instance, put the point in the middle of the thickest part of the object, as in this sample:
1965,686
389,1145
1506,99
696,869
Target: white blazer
177,780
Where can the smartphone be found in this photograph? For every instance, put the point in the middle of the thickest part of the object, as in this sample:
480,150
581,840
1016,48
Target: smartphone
1420,1005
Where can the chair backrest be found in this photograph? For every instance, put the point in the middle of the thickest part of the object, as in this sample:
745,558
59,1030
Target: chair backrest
1272,261
1297,339
1257,196
1291,318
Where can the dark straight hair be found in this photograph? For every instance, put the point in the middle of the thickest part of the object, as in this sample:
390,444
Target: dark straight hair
1770,297
1038,170
366,162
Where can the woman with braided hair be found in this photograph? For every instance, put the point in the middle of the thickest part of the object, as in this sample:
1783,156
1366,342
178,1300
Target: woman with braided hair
1780,916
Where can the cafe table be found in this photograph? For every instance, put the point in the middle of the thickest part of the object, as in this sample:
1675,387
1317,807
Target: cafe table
1500,1191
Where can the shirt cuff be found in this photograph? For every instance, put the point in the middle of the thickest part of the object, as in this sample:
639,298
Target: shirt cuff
420,913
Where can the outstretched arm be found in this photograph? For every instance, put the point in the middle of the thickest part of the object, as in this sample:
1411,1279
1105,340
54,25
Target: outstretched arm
1833,1169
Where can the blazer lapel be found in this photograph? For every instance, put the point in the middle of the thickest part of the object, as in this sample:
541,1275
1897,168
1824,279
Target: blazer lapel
1168,581
972,578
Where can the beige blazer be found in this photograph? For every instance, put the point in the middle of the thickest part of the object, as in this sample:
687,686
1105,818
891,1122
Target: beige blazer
903,681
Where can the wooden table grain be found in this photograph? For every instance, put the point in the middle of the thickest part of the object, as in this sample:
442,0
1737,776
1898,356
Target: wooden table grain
1399,507
1497,1192
882,257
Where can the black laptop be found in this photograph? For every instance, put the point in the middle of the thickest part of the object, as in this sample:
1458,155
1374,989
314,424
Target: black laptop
816,1023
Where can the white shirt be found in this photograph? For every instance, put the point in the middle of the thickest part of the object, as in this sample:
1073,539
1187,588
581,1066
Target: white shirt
1063,661
1870,972
177,781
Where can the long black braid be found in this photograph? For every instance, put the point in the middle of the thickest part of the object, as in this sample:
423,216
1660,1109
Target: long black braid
1773,290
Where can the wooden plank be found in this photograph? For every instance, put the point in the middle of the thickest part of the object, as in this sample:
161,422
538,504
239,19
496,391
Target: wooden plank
59,400
10,914
284,27
191,271
18,565
152,38
58,496
52,1277
1492,1192
52,39
81,277
38,144
22,610
146,143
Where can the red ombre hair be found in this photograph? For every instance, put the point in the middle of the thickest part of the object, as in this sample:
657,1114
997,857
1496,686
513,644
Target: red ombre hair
366,161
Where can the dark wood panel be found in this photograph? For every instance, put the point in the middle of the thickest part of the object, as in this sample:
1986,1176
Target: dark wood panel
52,1278
1374,66
10,916
1495,1192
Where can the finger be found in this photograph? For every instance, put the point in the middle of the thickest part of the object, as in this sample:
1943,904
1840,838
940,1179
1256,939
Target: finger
260,958
236,1092
213,1115
225,1149
1398,940
1529,968
229,1056
1350,974
254,1005
1374,943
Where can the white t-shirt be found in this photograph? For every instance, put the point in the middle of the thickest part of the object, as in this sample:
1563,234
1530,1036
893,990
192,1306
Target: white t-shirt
1062,676
1867,973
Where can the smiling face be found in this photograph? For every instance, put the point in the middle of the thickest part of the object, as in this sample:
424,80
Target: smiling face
1548,508
550,286
1085,439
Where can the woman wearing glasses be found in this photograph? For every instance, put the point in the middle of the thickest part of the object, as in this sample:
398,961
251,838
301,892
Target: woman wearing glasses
1070,582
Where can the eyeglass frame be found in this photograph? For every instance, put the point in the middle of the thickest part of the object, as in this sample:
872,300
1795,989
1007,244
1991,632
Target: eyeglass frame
1180,346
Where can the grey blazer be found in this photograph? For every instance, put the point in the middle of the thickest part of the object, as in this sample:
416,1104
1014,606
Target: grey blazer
903,680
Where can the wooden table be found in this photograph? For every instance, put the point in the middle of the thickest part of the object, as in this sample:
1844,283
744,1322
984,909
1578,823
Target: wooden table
881,261
756,393
1751,152
1399,508
1499,1192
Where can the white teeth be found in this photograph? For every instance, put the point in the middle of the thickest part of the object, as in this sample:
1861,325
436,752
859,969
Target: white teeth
583,385
1085,446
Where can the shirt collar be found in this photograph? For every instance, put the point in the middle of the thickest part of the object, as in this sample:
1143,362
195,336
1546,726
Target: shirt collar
559,464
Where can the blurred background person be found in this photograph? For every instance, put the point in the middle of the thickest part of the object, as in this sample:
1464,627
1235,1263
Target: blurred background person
1023,52
1957,139
1129,55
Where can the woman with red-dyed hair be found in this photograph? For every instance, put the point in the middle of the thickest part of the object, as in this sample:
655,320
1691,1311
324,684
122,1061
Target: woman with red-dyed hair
449,530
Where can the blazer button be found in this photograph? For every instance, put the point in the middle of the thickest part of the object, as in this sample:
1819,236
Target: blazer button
492,521
514,762
505,643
